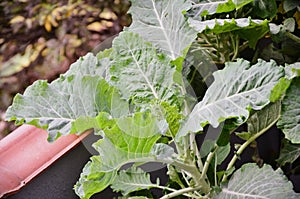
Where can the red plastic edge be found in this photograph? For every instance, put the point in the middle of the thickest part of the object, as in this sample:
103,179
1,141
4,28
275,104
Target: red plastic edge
25,153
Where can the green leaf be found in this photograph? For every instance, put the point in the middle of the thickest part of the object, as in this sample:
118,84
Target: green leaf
289,24
289,121
132,179
289,5
250,181
140,72
56,106
279,89
240,3
88,65
265,8
246,28
131,197
92,180
173,118
236,89
212,7
292,70
220,154
264,119
79,94
164,25
289,153
130,139
206,147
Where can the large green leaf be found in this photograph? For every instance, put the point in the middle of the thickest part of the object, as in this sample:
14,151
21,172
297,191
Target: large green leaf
57,105
253,182
246,28
121,144
132,179
130,139
162,23
236,89
289,153
289,121
92,180
140,72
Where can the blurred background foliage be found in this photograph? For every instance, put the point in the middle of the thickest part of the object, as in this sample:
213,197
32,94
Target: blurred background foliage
39,39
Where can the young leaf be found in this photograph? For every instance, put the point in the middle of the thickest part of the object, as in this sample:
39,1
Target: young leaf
246,28
132,179
238,87
92,180
289,121
164,26
250,181
139,72
289,153
57,105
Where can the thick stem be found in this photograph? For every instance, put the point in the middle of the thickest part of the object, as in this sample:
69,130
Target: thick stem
193,171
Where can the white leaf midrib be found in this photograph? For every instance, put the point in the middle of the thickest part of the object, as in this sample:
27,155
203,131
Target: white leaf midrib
143,74
164,31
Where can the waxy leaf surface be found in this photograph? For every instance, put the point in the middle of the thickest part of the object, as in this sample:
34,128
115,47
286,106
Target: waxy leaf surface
253,182
162,23
236,89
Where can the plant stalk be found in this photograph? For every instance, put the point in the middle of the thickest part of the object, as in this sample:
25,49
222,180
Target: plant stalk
244,146
180,192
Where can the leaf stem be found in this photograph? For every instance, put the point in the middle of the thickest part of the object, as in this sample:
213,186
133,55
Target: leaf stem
244,146
175,190
181,192
193,171
208,161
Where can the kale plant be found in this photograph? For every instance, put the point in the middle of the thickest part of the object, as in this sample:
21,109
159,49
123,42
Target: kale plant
137,96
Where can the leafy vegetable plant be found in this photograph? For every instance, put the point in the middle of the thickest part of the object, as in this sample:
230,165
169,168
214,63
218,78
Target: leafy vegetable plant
136,96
